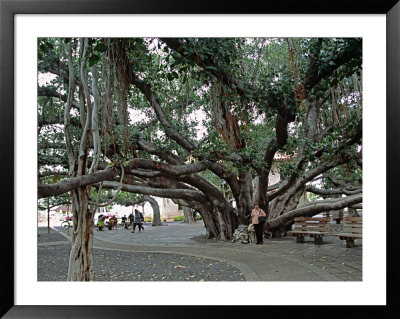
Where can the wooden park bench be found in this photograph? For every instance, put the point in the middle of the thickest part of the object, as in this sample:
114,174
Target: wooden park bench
352,229
315,227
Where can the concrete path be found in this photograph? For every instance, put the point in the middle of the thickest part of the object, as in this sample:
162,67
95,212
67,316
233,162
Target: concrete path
276,260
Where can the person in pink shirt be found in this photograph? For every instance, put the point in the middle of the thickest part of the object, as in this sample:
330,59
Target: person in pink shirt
258,226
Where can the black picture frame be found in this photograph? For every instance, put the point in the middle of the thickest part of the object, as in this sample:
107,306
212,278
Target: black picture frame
8,10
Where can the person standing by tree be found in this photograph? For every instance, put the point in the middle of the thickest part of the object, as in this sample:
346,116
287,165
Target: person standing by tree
256,213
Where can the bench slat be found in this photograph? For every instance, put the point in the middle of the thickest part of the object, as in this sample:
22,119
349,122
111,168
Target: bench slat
349,235
352,230
306,232
312,229
352,225
322,219
353,219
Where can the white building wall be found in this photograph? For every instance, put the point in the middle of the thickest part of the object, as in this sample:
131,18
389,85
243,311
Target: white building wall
168,209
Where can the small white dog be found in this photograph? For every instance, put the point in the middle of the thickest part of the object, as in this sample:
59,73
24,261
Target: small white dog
252,233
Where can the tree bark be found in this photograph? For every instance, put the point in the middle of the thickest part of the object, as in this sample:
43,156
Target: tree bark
80,266
156,210
188,215
48,215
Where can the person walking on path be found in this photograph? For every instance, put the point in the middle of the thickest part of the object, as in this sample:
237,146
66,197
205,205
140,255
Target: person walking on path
138,220
256,213
141,221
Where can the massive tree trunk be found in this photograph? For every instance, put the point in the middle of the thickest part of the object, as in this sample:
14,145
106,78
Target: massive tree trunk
81,255
286,202
188,215
281,205
245,203
156,210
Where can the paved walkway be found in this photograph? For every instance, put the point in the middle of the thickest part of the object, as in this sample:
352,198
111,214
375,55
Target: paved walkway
276,260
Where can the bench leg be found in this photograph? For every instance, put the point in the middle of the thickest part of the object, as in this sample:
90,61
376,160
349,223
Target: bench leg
299,239
349,243
318,240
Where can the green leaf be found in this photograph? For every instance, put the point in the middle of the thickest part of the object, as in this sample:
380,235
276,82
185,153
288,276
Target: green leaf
93,59
100,47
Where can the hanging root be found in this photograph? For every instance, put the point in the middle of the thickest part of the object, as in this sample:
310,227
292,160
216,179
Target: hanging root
116,194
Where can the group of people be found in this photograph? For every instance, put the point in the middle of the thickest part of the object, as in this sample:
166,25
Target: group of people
111,223
258,217
136,219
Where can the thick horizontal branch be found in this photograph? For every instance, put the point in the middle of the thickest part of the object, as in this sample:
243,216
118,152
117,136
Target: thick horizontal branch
217,168
185,194
195,180
68,184
173,170
315,208
334,191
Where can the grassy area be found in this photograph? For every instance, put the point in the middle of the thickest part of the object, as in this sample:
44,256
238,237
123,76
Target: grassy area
180,218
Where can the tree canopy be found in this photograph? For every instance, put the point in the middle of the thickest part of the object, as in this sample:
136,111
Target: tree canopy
175,118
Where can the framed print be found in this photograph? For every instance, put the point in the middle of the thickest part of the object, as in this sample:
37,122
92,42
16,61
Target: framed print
30,29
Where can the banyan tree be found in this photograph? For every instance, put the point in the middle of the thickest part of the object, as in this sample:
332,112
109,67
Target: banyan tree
200,121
